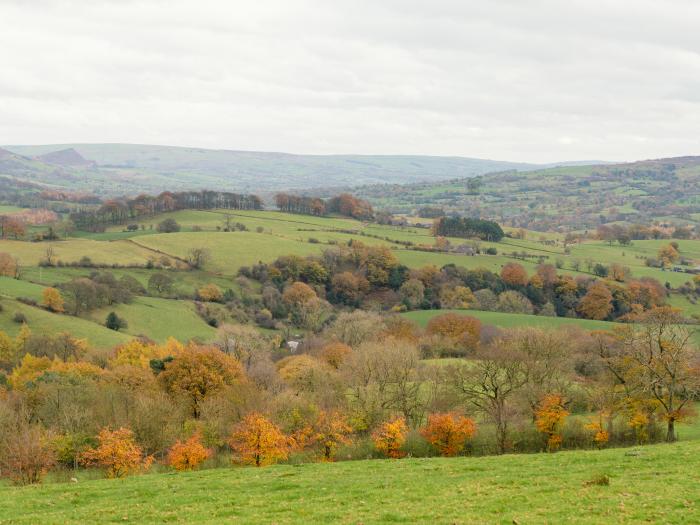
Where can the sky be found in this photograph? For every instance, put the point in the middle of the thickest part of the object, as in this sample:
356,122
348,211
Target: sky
519,80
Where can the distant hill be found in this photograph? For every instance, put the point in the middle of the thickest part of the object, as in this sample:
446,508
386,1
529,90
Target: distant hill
563,198
65,157
114,169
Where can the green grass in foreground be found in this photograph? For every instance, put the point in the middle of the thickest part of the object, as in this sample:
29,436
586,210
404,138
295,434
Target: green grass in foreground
657,485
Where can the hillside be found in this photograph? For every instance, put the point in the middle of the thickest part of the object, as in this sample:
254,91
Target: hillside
568,198
654,484
132,168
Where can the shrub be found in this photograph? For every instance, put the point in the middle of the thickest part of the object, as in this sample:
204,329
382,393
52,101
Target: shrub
168,226
390,437
19,317
448,433
118,452
25,455
188,455
114,322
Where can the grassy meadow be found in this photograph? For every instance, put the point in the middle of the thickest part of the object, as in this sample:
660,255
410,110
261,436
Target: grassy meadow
504,320
653,484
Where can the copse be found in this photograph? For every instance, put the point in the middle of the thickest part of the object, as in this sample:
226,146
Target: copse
343,204
466,227
118,211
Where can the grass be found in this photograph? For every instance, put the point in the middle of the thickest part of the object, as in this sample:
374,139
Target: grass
229,251
43,322
504,320
71,250
159,319
657,485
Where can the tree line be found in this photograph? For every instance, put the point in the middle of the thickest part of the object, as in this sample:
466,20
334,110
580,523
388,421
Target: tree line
467,228
343,204
360,388
118,211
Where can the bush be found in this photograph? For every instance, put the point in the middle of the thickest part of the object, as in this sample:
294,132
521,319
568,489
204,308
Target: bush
19,318
491,251
114,322
25,456
168,226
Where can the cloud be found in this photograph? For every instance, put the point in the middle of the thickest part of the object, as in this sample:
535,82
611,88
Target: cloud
531,80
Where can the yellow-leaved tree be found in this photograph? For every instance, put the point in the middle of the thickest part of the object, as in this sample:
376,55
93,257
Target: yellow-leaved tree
258,441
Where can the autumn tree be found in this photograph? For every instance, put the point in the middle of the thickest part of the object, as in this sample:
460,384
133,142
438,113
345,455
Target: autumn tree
189,454
210,292
668,255
513,274
448,433
457,297
26,454
198,258
52,300
117,452
390,437
199,372
381,378
596,428
12,227
549,418
257,441
330,430
461,330
657,356
8,265
597,303
490,384
306,309
335,353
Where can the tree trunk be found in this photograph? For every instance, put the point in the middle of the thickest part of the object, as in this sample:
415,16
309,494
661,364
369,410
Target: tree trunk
671,431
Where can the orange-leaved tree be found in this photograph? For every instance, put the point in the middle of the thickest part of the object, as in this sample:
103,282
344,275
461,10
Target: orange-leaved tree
198,372
189,454
118,452
448,433
549,418
257,441
514,274
210,292
390,437
52,300
597,303
330,430
600,435
462,330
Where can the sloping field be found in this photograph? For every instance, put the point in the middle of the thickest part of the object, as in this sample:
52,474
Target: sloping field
504,320
43,322
656,484
71,250
159,319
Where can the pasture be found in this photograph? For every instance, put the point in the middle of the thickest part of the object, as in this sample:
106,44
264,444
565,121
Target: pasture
507,320
654,484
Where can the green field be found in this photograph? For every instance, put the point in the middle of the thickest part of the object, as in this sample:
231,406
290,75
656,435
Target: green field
71,250
159,319
503,320
43,322
656,484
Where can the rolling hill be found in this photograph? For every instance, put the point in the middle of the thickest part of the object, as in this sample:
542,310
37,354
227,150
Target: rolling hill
114,169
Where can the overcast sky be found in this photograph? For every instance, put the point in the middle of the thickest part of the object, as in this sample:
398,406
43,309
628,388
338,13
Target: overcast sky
522,80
